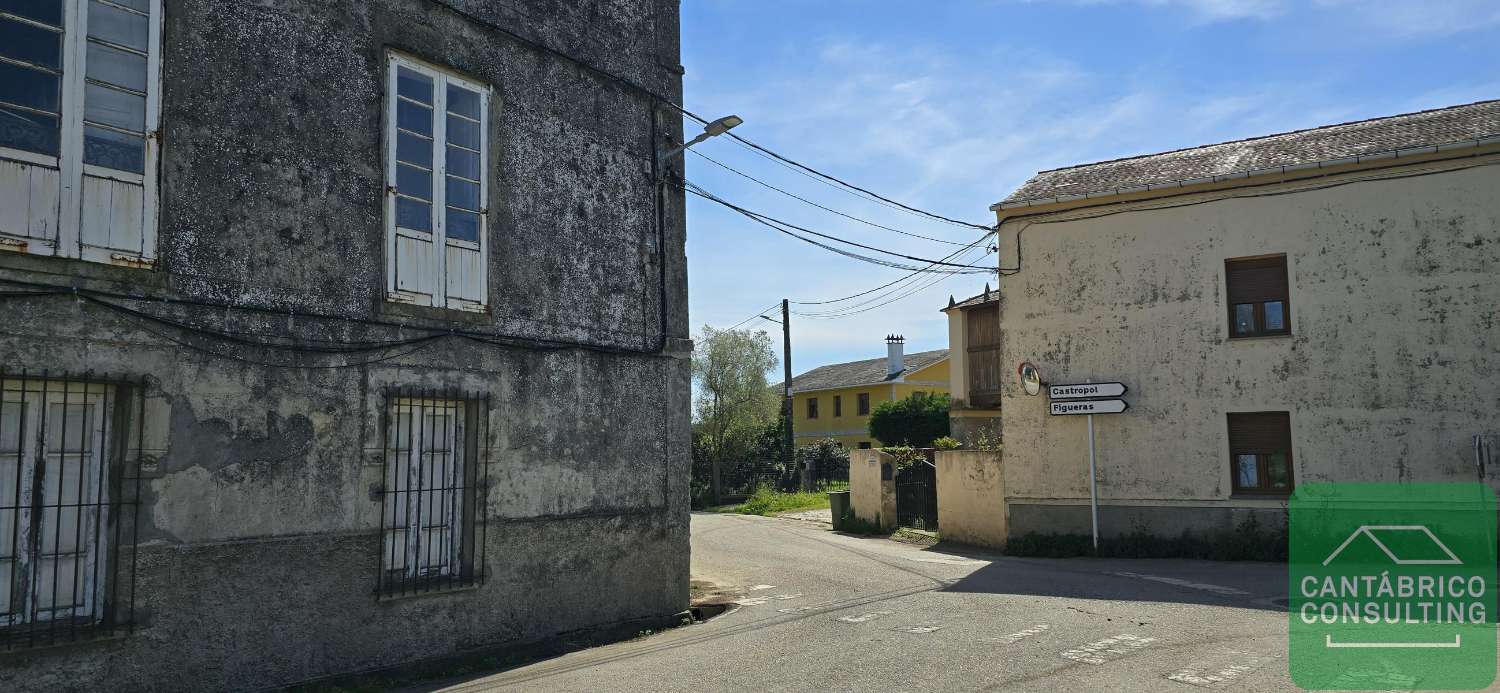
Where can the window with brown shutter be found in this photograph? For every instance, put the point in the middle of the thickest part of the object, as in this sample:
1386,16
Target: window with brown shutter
1256,290
812,407
838,405
863,403
1260,453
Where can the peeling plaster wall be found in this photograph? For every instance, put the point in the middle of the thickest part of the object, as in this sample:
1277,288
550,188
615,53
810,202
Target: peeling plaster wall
259,537
1392,366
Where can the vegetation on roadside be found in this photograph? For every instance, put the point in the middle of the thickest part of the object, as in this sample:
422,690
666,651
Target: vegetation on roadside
769,501
947,443
916,421
1247,541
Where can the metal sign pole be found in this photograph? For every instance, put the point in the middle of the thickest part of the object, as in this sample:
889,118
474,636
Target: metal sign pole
1093,484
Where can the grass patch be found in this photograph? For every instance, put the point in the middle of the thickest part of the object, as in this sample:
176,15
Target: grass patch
768,501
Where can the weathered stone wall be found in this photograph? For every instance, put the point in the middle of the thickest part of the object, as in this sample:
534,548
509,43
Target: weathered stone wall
259,539
971,497
1393,362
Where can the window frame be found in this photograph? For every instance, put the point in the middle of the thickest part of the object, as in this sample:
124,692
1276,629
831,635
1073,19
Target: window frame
464,564
862,404
1282,295
838,406
812,408
103,577
67,238
441,77
1261,452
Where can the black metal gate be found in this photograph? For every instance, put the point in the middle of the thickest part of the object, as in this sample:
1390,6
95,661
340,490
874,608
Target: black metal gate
916,496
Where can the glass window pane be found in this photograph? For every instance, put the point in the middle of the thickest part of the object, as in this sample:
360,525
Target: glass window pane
117,26
1246,475
463,102
1244,318
29,43
1275,316
113,107
28,131
46,11
463,226
115,150
463,133
413,181
1276,470
67,433
142,5
116,66
462,194
413,214
32,88
463,163
414,85
413,149
10,431
414,117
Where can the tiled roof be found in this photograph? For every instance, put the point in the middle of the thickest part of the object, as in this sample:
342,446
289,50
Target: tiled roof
867,372
1455,124
989,296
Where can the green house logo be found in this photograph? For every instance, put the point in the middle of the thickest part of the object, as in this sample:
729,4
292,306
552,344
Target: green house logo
1392,586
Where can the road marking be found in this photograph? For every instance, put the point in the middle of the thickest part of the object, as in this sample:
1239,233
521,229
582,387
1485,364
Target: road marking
1198,674
1020,635
784,597
948,561
760,587
919,630
751,601
1216,589
795,609
1108,649
864,617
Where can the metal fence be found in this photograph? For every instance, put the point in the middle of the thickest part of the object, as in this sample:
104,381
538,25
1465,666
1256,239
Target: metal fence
432,520
70,487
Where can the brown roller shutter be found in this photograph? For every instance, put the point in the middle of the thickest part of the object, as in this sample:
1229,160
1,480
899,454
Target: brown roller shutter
1262,432
1254,281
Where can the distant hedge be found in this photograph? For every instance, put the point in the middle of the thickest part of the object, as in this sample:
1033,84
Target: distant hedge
915,421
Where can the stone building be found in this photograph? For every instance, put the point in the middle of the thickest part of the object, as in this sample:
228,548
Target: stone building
1318,305
337,334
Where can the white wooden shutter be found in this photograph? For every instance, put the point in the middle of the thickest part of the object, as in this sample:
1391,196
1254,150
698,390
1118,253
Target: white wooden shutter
91,194
436,187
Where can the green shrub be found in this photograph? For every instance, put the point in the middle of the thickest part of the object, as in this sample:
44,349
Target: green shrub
1248,540
947,443
916,421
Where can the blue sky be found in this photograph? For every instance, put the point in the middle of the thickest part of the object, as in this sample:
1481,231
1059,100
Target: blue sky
949,105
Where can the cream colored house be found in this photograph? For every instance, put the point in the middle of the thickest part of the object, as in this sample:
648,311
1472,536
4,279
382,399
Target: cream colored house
975,371
1319,305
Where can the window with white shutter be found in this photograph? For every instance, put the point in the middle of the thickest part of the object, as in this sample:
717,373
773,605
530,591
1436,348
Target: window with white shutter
436,190
79,110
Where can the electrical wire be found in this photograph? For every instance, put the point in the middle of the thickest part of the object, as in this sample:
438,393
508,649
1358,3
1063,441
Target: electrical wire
799,198
778,225
759,314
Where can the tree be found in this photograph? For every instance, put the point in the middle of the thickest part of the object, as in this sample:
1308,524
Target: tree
916,421
733,399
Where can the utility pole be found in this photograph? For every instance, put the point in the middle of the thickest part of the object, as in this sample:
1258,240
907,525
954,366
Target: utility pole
786,400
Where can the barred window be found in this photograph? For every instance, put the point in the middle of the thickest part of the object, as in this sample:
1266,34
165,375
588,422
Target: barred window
432,517
68,505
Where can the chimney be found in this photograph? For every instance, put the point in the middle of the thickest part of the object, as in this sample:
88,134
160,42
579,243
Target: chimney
895,349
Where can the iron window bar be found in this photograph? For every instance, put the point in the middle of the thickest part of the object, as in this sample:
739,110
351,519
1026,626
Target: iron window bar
434,471
71,448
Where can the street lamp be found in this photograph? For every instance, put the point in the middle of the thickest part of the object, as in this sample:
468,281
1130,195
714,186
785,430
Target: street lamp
714,129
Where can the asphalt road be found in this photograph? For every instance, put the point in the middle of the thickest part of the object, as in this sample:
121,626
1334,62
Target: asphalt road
829,612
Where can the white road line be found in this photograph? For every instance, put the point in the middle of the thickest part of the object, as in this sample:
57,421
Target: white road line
1108,649
1020,635
864,617
751,601
1199,674
1217,589
919,630
784,597
760,587
795,609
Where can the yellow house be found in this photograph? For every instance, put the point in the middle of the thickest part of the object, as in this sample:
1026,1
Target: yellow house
835,401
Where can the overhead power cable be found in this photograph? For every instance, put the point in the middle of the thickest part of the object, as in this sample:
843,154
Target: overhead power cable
782,227
799,198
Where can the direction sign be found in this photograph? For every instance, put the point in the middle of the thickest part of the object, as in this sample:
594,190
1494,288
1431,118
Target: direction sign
1086,390
1093,406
